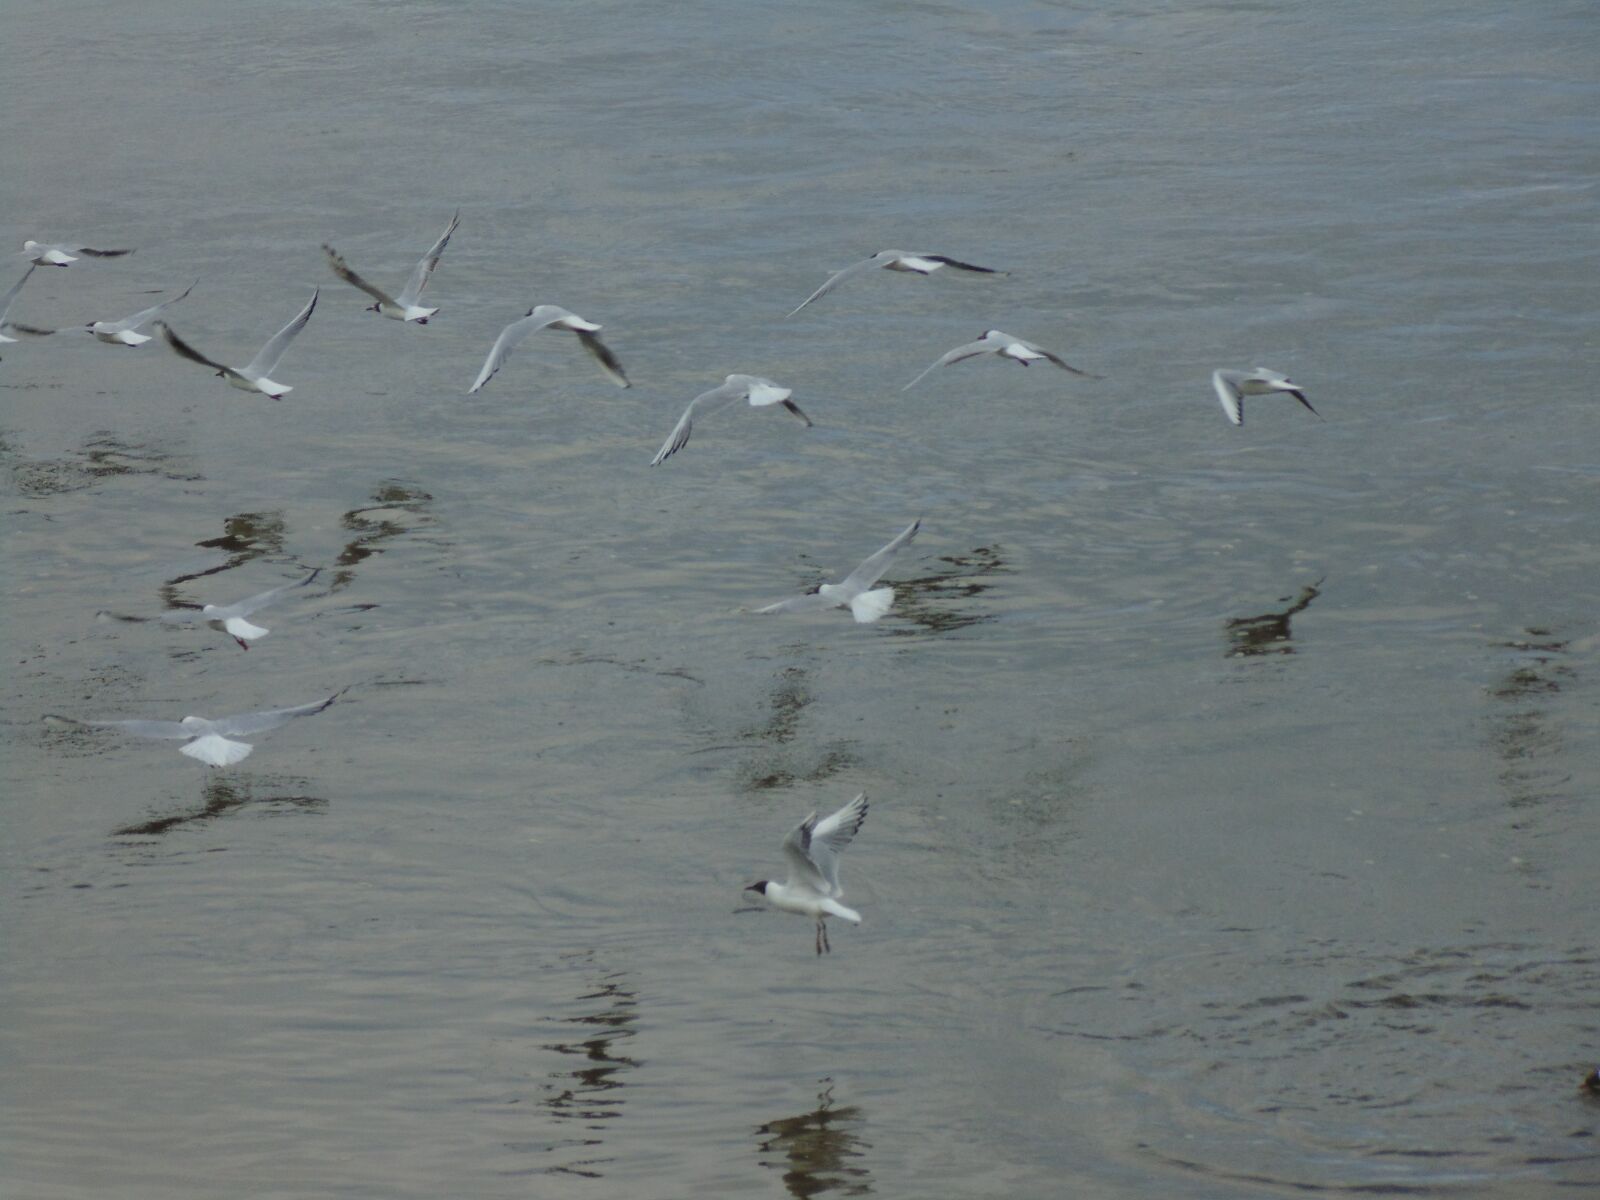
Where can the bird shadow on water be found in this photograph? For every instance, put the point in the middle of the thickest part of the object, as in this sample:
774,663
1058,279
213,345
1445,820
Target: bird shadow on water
816,1151
397,508
778,760
103,455
929,602
222,795
586,1096
1526,728
1268,633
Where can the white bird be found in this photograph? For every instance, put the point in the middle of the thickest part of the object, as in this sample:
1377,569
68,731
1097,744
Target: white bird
894,260
1233,386
403,307
251,378
7,326
993,341
125,332
210,741
57,254
758,391
230,618
813,848
866,606
542,317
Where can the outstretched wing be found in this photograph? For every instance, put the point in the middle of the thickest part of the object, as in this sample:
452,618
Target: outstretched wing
127,324
810,602
93,253
193,355
702,405
430,260
813,847
839,277
501,350
343,271
962,266
263,363
970,350
874,565
244,608
1228,392
607,360
149,729
1060,362
260,722
5,301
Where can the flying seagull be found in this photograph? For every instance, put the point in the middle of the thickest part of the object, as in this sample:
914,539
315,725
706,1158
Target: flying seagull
866,606
758,391
126,331
57,254
403,307
894,260
993,341
812,849
544,316
230,618
1233,386
251,378
210,740
8,327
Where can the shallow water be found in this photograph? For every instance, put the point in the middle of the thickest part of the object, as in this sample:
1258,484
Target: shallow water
1233,812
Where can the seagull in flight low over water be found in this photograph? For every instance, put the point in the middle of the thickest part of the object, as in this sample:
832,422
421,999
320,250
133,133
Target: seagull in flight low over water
1233,386
993,341
894,260
758,391
866,606
544,316
230,618
403,307
253,377
210,740
126,331
57,254
813,849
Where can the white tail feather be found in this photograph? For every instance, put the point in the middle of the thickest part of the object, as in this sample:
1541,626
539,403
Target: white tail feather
240,628
216,750
869,606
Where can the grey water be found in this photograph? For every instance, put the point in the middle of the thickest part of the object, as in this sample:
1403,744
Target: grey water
1234,790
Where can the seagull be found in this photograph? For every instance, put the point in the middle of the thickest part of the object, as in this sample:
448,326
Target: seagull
59,255
812,849
542,317
8,327
208,740
1233,386
758,391
403,307
230,618
252,378
125,332
866,606
894,260
993,341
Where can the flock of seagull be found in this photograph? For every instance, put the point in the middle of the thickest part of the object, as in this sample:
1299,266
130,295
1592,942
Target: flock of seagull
812,848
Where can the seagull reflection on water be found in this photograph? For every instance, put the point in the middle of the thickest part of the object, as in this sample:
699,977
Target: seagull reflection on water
1268,633
222,795
817,1150
585,1095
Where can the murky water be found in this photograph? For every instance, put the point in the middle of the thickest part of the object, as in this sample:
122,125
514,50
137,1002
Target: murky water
1234,820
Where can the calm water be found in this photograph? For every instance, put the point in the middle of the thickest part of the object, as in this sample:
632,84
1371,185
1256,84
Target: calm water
1234,790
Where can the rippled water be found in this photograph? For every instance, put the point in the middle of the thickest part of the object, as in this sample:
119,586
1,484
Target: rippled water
1233,790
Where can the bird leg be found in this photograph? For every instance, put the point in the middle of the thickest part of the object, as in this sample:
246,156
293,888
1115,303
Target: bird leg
823,946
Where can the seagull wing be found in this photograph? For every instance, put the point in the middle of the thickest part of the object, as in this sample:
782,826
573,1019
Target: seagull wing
810,602
839,277
970,350
343,271
260,722
93,253
251,604
263,363
149,729
189,352
5,301
127,324
501,350
703,405
962,266
430,260
1060,362
1228,392
607,360
813,846
875,564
